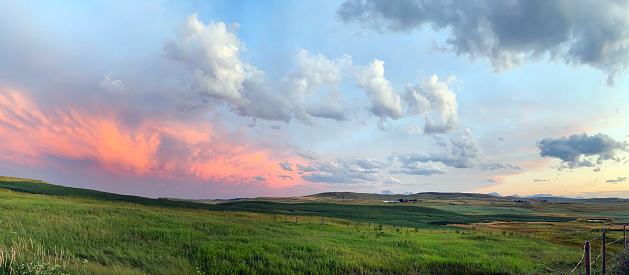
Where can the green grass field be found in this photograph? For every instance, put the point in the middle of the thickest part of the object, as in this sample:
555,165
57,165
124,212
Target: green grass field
103,233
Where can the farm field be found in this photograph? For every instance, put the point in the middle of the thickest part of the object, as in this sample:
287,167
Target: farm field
104,233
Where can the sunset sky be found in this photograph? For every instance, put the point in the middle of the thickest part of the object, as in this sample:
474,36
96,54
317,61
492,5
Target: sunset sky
224,99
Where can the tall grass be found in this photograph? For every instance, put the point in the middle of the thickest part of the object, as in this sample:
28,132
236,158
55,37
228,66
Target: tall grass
25,257
124,238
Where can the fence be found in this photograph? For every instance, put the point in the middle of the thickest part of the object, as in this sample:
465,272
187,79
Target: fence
587,266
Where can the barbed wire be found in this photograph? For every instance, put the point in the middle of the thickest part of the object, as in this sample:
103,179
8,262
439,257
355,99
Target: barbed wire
617,255
597,237
615,241
593,262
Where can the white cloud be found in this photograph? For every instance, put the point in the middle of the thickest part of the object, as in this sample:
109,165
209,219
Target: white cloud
432,95
212,51
315,74
112,85
385,103
463,151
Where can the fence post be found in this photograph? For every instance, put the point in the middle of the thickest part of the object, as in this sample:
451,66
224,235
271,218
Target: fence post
295,219
587,258
603,251
322,221
624,236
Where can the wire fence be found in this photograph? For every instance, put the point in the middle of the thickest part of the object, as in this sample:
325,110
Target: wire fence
619,245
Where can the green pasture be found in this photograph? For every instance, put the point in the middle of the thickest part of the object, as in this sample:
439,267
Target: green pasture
104,237
483,210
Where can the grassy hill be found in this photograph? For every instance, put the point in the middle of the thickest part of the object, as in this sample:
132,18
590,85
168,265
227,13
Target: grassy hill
105,233
395,215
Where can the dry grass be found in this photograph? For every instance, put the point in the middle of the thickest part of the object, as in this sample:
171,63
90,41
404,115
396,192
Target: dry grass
25,257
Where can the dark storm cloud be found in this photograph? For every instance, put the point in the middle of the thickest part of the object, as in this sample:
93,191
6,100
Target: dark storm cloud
508,33
582,150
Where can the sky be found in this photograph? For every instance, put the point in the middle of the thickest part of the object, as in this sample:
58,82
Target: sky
226,99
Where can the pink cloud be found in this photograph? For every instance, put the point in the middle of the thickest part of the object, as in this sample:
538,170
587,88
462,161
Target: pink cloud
192,150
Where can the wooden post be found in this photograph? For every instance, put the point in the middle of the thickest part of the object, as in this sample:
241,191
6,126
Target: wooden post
347,224
587,258
603,251
295,219
624,235
274,218
369,224
322,221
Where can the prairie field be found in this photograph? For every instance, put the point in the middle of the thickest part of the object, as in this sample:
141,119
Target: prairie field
49,229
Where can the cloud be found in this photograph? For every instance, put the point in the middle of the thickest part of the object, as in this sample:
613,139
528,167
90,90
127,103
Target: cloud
582,150
385,103
97,137
339,171
491,180
112,86
539,180
307,154
286,166
315,74
497,165
391,180
619,179
508,33
432,95
213,53
284,176
415,168
259,178
305,168
463,151
369,163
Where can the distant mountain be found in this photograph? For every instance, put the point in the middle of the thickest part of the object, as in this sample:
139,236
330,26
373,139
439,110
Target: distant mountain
537,196
407,193
495,194
387,192
541,196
